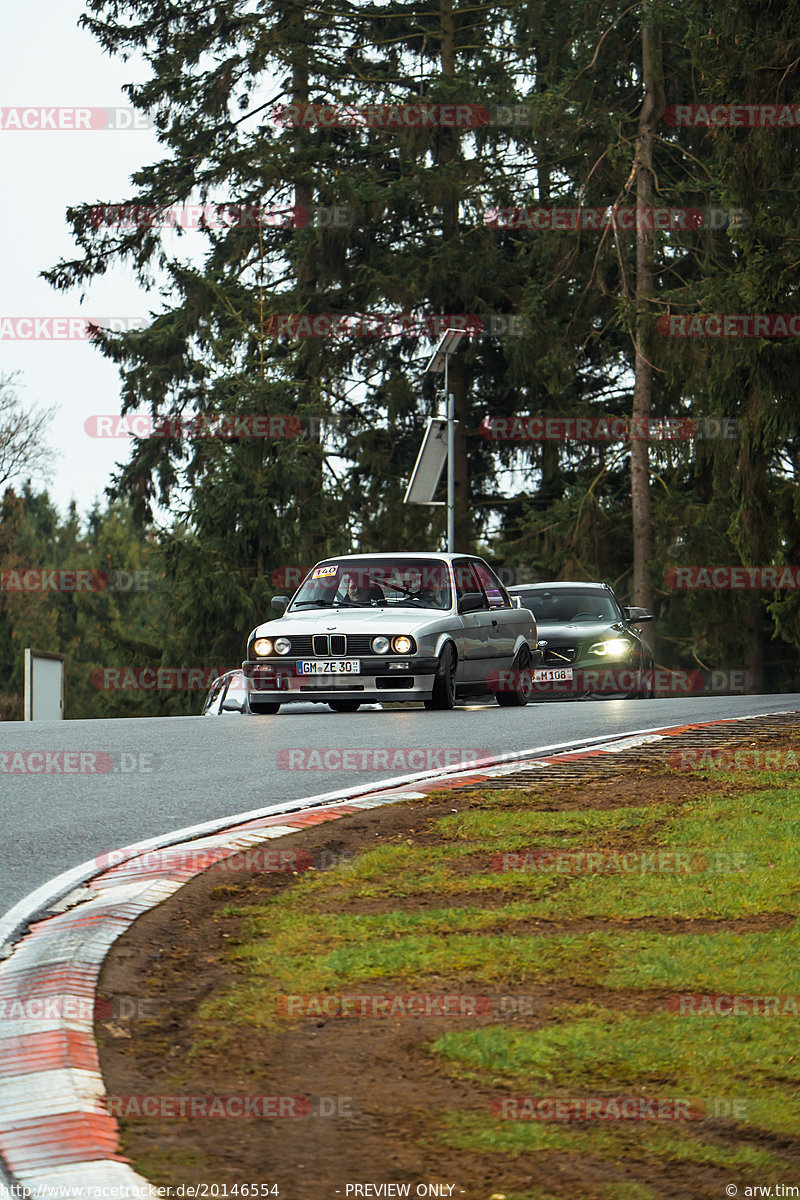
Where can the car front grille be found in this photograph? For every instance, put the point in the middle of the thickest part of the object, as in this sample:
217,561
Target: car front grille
359,643
324,645
556,656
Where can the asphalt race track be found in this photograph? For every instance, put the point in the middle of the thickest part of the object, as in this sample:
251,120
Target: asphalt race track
167,773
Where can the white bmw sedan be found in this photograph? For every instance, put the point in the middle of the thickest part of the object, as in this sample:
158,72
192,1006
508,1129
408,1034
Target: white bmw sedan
363,628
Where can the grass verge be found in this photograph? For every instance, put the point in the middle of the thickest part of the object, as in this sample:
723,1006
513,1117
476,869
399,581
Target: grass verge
609,923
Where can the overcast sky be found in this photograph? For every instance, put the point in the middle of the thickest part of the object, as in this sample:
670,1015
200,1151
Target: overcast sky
47,61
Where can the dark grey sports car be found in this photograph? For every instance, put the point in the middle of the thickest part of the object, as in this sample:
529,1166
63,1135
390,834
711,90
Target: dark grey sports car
590,643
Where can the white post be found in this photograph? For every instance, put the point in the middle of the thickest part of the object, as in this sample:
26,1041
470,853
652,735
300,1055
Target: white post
451,469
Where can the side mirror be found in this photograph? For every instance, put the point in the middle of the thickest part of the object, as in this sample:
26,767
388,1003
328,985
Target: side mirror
280,604
472,602
637,614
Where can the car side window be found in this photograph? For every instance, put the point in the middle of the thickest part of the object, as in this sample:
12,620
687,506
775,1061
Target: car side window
496,593
467,579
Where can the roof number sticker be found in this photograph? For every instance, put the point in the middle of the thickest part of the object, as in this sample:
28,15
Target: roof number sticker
325,572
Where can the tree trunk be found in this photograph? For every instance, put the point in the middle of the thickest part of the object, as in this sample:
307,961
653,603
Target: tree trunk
652,108
457,373
754,513
308,360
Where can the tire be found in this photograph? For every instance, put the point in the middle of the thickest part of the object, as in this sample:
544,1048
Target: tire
262,709
443,697
520,697
344,706
645,691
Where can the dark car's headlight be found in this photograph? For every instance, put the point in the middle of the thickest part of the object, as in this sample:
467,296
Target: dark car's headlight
613,647
262,647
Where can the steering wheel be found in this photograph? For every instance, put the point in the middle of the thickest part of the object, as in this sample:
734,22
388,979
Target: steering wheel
579,616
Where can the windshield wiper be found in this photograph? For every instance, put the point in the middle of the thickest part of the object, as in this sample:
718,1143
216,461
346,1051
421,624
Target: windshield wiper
313,603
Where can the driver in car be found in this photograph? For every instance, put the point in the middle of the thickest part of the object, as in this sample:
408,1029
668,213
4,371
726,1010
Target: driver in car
364,595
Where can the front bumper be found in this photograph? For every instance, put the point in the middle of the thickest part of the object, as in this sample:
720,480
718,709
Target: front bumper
380,679
611,679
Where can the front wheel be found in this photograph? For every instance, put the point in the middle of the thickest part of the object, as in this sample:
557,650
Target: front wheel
344,706
521,676
443,696
645,690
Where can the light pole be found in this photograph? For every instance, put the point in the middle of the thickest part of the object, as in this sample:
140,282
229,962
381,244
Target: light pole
440,361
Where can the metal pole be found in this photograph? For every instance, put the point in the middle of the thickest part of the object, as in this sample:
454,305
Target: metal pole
451,465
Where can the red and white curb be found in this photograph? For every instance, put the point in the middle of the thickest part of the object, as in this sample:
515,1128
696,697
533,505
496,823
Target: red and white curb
55,1131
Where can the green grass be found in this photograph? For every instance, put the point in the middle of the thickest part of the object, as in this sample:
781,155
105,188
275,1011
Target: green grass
620,1143
749,1075
358,927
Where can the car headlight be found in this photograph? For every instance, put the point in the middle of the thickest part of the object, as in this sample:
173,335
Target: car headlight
403,644
282,645
262,647
613,647
380,645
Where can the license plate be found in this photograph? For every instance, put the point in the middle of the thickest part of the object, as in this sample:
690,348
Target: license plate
552,674
329,666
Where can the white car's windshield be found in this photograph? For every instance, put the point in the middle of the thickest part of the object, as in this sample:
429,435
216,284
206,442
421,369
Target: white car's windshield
384,582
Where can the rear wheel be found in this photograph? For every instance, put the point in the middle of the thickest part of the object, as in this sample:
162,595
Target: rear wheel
345,706
522,677
263,710
444,685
